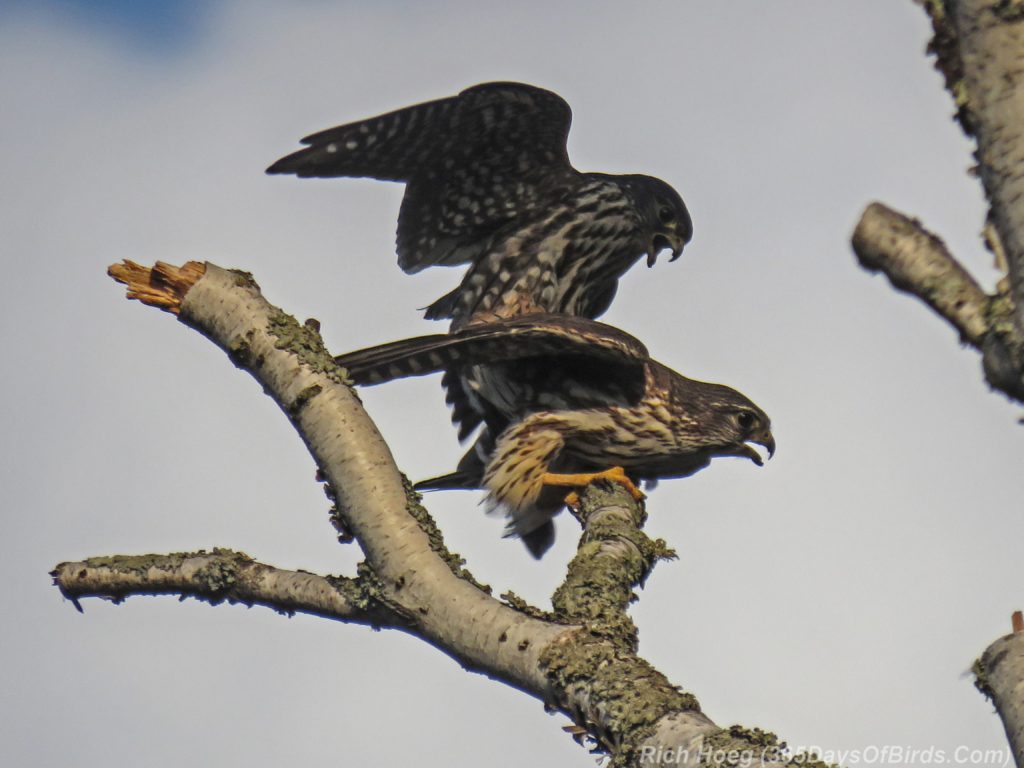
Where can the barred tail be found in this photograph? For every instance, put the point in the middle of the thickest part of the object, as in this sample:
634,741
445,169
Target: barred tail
420,356
497,341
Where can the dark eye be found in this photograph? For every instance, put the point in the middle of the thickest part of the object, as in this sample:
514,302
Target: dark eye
666,214
746,420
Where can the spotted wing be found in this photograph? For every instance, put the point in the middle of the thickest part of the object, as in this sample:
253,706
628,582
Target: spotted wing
471,163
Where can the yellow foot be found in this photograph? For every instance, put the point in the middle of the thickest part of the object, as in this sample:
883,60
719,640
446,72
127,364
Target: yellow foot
615,474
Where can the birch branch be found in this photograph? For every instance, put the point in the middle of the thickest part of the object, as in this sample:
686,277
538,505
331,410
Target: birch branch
990,36
999,674
580,659
444,605
222,576
979,49
917,262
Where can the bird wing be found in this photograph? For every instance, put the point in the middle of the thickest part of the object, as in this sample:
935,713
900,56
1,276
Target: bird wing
540,335
471,163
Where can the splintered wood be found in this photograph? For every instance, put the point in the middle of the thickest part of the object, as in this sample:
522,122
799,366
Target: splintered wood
162,286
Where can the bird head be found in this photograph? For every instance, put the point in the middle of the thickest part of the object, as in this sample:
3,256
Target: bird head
722,421
752,427
667,223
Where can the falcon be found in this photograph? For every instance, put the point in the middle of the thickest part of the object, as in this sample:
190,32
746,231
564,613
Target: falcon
570,400
489,184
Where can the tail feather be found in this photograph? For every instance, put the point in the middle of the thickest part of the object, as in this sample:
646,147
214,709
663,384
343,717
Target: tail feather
443,308
539,540
400,359
469,475
516,338
453,481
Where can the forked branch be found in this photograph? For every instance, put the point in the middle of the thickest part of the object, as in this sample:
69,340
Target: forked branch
580,659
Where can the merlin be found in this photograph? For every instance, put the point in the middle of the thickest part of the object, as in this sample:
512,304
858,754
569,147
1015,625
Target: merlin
569,400
489,184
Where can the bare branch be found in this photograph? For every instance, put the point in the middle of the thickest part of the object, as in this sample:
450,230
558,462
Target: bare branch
917,262
990,34
999,674
290,362
581,659
221,575
163,286
979,49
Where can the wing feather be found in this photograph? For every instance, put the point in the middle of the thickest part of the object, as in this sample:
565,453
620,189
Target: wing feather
471,163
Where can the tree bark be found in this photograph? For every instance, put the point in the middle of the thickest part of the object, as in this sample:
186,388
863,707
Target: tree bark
991,41
979,48
581,658
999,675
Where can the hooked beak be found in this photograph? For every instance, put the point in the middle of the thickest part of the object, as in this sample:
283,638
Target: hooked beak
661,241
765,440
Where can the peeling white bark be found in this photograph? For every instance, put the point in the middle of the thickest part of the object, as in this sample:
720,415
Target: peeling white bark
991,40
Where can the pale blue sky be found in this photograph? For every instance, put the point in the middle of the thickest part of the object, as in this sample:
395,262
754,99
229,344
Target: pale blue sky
155,27
836,596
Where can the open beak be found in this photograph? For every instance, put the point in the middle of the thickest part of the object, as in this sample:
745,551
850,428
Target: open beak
661,241
765,440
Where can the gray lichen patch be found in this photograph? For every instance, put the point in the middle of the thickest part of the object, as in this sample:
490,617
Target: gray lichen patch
245,279
1003,348
366,591
631,695
345,533
945,46
239,350
218,575
1000,315
615,556
981,681
304,341
212,582
426,523
596,593
513,600
355,591
737,746
1009,11
372,597
138,563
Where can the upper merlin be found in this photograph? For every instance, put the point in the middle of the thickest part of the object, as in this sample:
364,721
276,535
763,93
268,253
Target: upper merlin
489,184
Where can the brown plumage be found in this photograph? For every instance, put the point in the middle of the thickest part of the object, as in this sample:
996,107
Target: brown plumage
489,184
561,394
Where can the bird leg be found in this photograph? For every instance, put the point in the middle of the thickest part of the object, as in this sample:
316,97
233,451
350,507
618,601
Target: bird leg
615,474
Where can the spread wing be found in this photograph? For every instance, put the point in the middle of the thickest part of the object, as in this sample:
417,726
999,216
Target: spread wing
554,338
471,163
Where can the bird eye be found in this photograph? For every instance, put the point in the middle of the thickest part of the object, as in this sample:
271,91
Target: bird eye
666,214
746,420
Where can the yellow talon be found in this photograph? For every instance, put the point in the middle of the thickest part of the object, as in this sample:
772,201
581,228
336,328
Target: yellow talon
615,474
